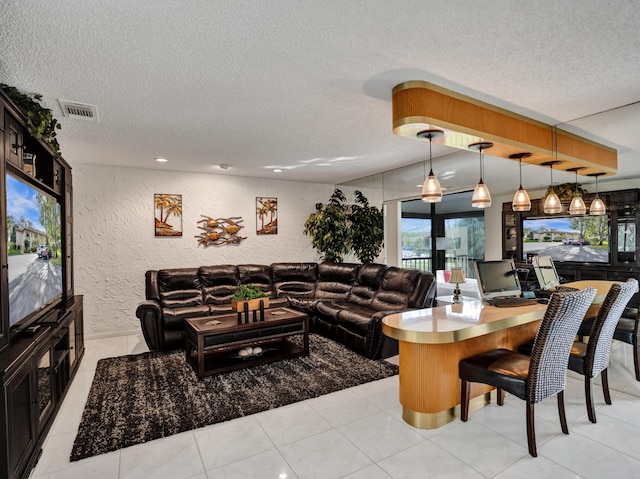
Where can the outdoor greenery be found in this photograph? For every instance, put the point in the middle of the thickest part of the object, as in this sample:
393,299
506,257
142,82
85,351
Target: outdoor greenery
40,120
249,291
336,228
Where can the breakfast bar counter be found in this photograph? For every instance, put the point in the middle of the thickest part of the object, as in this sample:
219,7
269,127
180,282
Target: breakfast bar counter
433,341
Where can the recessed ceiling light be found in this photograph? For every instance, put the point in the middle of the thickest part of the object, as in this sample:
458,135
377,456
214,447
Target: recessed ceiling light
161,160
277,170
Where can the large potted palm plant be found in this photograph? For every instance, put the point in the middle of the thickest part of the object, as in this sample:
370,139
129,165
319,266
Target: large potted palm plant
329,228
367,229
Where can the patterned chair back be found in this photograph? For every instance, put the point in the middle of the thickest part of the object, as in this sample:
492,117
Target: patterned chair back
551,348
601,336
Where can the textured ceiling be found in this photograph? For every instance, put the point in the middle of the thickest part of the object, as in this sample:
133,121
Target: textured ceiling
306,86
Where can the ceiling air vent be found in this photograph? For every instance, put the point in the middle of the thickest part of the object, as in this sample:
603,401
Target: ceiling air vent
79,111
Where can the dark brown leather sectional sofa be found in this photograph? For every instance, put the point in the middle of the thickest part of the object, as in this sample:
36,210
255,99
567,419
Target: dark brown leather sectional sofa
345,301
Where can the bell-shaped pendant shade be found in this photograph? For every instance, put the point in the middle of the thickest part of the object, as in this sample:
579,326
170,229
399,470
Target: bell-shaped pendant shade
552,204
431,189
577,206
481,197
597,207
521,200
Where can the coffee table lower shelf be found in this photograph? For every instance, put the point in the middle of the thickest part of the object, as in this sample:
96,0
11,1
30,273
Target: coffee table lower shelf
225,360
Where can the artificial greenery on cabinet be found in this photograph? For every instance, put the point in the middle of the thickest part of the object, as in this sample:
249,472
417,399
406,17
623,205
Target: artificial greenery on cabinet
40,120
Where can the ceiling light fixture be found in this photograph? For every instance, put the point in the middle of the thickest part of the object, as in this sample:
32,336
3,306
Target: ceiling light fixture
161,160
597,207
277,170
552,204
431,189
521,200
481,196
577,206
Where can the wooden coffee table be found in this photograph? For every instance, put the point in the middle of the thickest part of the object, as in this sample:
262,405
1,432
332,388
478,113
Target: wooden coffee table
213,342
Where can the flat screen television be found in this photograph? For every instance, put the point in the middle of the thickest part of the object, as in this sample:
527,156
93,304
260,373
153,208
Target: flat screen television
35,256
577,239
497,278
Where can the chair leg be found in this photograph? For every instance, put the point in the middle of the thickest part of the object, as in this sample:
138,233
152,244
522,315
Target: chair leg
500,397
636,361
591,412
465,392
605,386
531,431
561,413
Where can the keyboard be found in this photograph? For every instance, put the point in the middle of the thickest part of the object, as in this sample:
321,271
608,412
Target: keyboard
511,302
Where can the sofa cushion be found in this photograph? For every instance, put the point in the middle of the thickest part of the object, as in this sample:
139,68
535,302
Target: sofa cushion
219,283
355,319
181,299
335,280
371,275
328,310
178,279
361,295
173,318
388,300
397,285
257,274
295,280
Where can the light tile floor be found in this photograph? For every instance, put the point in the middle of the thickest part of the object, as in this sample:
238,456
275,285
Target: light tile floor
359,433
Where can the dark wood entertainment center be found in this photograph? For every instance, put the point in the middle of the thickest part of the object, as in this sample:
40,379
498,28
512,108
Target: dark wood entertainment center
39,359
624,261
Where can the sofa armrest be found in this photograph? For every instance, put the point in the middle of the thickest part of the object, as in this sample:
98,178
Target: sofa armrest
149,314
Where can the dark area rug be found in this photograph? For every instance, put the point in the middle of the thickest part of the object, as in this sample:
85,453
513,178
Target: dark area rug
138,398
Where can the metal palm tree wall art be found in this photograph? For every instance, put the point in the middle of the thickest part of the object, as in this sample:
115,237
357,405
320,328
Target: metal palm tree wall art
266,216
168,214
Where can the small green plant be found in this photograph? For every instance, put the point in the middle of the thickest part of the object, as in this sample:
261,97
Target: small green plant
249,291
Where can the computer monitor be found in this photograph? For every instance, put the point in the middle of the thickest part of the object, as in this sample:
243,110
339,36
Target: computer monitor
545,272
497,278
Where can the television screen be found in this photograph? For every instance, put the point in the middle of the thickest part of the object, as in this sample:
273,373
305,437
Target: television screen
580,239
35,256
497,278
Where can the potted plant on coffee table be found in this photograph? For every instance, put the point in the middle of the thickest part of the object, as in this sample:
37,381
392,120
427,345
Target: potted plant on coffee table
250,294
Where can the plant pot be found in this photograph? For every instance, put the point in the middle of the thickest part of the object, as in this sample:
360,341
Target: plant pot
238,305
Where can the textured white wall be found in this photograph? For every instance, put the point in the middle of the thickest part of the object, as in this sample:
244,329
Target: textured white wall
115,243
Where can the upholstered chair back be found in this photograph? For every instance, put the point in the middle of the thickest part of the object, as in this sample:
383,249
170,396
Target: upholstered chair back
552,345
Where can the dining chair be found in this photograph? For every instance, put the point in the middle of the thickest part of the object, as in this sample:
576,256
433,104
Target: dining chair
592,358
628,331
536,377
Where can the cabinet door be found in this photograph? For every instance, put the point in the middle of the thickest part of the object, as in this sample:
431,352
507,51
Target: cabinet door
13,141
44,385
21,419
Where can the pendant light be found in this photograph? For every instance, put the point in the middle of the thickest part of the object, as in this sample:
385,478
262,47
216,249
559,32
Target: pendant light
577,206
431,189
521,200
552,204
597,207
481,196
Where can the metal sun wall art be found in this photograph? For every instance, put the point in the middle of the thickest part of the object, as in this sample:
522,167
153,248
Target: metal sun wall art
266,216
220,231
168,214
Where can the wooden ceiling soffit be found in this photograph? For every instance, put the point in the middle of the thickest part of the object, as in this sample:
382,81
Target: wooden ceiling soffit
419,105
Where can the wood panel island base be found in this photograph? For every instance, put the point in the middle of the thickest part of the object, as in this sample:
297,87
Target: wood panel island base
433,341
